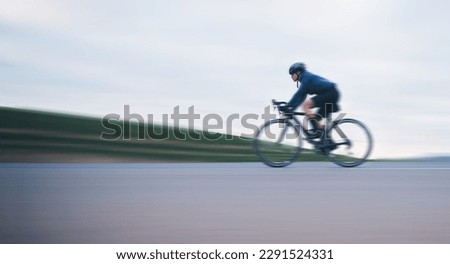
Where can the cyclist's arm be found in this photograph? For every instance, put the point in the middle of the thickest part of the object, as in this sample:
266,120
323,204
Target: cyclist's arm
298,98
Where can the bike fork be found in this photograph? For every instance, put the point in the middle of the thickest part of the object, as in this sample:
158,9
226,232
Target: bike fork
283,133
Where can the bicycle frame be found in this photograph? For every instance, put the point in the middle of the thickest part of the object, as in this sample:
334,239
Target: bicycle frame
298,124
290,116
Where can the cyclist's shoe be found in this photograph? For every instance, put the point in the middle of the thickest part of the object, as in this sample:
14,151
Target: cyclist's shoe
328,144
314,133
322,151
323,147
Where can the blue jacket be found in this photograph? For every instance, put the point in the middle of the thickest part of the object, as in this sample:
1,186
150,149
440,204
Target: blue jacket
310,84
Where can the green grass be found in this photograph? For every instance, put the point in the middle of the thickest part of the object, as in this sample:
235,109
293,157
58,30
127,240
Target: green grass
36,136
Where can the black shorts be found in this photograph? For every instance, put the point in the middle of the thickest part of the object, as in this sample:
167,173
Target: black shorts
327,102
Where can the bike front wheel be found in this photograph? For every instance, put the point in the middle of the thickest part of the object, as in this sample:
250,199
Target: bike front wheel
353,143
278,143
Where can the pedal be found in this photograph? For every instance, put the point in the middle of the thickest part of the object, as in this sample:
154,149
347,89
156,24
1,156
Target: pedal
313,134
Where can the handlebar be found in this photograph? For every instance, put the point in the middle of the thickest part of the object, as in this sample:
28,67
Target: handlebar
284,110
280,106
275,103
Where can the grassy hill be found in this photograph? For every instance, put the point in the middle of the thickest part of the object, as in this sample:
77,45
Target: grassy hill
36,136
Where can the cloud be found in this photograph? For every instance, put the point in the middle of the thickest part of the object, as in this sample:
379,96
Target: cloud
389,60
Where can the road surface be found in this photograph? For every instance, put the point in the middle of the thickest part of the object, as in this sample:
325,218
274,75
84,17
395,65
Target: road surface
394,202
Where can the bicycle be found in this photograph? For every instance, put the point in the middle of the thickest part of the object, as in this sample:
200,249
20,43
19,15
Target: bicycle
279,142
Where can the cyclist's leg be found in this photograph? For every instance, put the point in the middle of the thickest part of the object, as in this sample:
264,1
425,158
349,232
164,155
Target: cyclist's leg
327,104
320,101
307,106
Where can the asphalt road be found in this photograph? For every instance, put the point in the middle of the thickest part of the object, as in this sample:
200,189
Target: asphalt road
225,203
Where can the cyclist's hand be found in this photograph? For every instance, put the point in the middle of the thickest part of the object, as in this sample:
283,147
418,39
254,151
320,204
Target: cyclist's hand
285,108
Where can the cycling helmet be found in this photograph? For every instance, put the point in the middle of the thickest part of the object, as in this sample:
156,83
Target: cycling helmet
297,67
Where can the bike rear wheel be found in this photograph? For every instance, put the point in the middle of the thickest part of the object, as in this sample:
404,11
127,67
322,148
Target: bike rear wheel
278,143
353,143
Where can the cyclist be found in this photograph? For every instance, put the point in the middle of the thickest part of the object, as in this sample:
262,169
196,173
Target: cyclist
326,96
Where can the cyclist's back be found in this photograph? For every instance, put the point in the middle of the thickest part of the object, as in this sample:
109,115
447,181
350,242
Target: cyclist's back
311,84
314,84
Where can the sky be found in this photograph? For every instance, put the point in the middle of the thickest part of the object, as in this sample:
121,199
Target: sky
390,59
